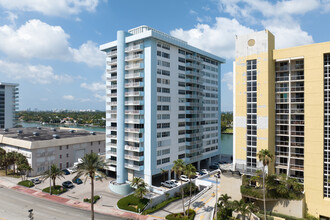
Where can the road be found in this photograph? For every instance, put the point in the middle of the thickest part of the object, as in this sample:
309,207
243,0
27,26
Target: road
15,205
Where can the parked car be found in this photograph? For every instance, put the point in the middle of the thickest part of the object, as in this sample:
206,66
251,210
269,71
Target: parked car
205,171
77,180
66,172
184,178
36,181
201,173
72,169
168,184
213,167
175,182
67,184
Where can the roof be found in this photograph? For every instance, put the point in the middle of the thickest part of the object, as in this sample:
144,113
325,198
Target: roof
41,137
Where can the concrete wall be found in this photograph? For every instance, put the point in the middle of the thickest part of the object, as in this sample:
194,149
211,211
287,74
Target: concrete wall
294,208
231,185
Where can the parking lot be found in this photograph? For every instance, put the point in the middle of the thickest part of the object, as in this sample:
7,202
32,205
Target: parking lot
79,192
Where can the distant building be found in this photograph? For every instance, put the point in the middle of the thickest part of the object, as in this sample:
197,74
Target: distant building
282,103
8,104
163,104
47,146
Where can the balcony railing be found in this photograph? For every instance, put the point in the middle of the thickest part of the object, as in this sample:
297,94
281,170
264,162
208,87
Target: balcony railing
139,93
298,122
134,84
134,130
282,78
282,121
285,143
134,48
297,99
134,112
297,77
132,148
297,88
138,102
282,89
132,157
134,121
297,111
134,167
112,53
297,133
282,111
282,132
192,57
282,100
297,144
134,75
134,57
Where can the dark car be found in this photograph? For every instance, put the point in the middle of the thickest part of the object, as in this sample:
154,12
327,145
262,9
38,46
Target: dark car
66,172
67,184
77,181
213,166
36,180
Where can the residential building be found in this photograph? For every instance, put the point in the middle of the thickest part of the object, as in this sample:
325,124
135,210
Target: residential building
282,103
45,146
163,104
8,104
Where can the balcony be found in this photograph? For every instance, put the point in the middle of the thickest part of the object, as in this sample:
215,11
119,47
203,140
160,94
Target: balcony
297,111
134,84
134,139
111,128
112,78
190,72
112,153
297,144
111,162
112,87
282,89
282,121
139,93
112,103
299,100
138,102
109,144
135,149
112,62
192,57
296,167
282,132
112,70
134,130
297,78
282,79
111,136
134,75
134,112
134,57
282,111
134,66
282,100
134,167
193,65
134,48
134,121
112,119
112,94
282,153
283,143
297,89
134,158
297,122
112,53
297,133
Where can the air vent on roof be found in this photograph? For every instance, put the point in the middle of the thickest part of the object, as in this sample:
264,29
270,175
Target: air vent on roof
19,131
53,129
5,130
56,136
39,128
35,134
92,133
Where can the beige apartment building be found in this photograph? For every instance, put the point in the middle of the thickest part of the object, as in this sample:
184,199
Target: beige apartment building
282,103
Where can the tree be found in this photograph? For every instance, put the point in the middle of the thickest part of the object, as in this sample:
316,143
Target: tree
88,167
265,157
24,170
137,181
178,168
224,200
190,172
53,173
12,158
242,207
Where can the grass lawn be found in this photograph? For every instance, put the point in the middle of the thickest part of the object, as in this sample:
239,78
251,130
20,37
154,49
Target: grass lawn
228,131
132,203
55,191
96,198
26,183
10,174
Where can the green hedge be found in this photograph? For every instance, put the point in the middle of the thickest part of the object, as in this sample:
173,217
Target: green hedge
160,205
251,191
96,198
179,216
129,202
57,190
26,183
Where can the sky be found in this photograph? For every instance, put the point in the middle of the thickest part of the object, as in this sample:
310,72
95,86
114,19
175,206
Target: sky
51,48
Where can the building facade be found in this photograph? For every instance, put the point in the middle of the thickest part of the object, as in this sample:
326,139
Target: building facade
163,104
282,103
8,104
46,146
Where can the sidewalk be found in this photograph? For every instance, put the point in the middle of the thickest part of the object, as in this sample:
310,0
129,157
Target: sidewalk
73,203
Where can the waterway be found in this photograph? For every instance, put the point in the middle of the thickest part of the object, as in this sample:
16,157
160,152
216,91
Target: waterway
226,139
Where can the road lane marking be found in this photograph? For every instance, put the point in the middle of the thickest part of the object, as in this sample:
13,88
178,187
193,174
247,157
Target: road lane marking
196,210
156,216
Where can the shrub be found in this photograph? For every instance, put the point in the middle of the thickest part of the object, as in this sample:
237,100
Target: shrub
96,198
224,213
132,203
57,190
26,183
160,205
179,216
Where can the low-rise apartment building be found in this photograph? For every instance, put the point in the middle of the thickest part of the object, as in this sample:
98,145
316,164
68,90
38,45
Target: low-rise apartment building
46,146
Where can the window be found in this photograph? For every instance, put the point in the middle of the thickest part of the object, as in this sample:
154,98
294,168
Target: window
165,160
91,143
182,52
67,146
182,60
60,166
166,55
99,142
159,53
182,68
159,162
166,64
60,147
67,155
67,164
60,156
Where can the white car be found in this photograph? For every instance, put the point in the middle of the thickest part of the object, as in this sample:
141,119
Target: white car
175,182
184,178
205,171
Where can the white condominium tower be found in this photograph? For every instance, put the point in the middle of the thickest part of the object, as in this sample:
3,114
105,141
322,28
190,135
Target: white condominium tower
163,104
8,104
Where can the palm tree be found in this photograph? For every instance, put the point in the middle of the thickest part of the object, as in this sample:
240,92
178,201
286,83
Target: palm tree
224,200
3,159
178,168
241,207
265,157
12,158
190,172
53,173
137,181
141,191
90,163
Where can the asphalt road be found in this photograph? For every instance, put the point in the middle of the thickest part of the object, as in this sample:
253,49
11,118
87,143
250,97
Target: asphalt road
15,205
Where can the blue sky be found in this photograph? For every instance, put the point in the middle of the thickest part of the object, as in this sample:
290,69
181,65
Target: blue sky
51,47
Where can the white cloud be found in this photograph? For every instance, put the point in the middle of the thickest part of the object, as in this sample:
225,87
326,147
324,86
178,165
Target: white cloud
218,39
11,17
90,54
228,79
68,97
37,74
36,39
51,7
94,87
